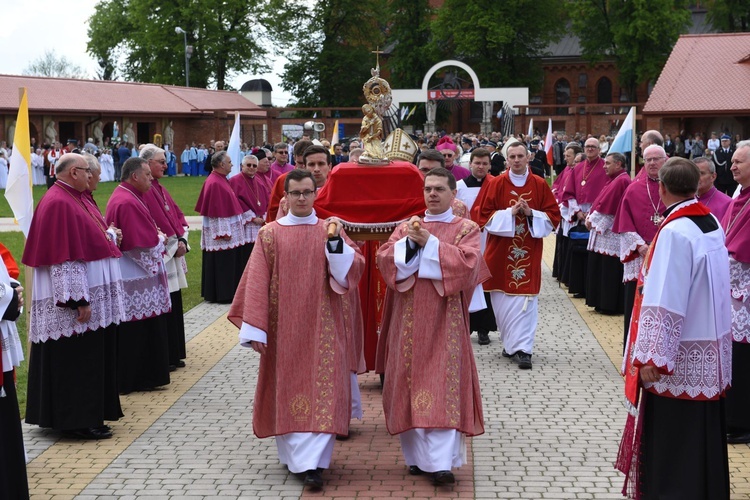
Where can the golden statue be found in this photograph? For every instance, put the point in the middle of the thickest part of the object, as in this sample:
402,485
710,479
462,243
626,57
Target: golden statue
378,95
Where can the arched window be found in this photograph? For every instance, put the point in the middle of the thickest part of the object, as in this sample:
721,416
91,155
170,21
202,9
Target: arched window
562,95
604,91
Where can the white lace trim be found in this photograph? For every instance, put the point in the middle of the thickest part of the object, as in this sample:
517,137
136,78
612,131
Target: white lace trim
215,229
51,322
739,280
601,223
700,368
69,281
629,243
150,260
607,243
251,229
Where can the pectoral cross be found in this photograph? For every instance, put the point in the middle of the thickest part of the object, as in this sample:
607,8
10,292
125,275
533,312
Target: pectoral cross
656,219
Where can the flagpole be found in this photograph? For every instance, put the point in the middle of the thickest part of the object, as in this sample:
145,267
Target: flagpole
633,152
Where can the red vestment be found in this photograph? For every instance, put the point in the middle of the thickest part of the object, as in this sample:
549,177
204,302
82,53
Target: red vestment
304,377
515,263
431,377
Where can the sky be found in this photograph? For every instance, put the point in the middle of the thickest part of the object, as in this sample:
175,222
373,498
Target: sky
32,27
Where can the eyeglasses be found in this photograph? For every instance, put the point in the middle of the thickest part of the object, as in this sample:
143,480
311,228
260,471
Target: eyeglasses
163,162
654,159
282,151
251,165
591,147
304,194
88,170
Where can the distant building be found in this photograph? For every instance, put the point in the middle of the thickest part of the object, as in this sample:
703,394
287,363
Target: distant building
79,109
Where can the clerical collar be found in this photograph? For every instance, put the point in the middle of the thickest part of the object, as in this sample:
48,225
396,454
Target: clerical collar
678,205
472,181
446,216
292,220
518,180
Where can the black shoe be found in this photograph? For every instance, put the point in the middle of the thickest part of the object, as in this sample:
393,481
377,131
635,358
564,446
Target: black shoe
90,433
180,364
484,338
172,368
523,360
313,479
415,471
443,477
738,437
506,355
343,437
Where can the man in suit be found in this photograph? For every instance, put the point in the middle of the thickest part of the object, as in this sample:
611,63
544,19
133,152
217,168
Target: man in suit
723,160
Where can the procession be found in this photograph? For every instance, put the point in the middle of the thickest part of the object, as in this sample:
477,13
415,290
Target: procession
516,312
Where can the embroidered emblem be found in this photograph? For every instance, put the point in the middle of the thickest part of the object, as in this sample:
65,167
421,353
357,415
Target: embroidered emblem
422,402
299,407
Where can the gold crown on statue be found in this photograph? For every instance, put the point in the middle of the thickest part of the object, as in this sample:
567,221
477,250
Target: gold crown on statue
400,146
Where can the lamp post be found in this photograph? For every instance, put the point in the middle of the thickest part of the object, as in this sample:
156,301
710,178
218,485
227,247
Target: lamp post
188,53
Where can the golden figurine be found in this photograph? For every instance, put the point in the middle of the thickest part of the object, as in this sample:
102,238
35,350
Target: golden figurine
378,95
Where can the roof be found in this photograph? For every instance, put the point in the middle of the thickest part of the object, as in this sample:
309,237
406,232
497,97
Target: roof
569,45
257,85
683,87
64,95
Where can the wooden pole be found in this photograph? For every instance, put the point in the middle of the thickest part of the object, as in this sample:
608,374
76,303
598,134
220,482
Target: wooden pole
632,145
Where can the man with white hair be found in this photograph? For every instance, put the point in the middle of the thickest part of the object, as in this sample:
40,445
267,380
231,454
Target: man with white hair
736,223
637,219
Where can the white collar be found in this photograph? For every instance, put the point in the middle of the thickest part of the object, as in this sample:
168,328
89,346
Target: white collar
518,180
446,216
292,220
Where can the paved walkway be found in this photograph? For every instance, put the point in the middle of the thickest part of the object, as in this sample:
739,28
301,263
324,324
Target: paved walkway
551,432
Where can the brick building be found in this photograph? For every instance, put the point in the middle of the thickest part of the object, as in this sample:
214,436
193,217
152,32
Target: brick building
78,109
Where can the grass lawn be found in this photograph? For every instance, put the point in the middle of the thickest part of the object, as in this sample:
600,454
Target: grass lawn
191,296
184,190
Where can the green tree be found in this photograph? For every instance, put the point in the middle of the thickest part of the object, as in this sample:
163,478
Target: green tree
729,16
501,41
50,64
138,39
637,34
328,49
407,41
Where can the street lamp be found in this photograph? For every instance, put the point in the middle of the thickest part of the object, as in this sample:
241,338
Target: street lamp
188,53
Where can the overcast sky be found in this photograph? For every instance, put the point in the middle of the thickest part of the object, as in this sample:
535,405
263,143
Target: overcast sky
31,27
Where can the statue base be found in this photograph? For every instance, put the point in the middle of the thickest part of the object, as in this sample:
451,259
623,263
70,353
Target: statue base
373,162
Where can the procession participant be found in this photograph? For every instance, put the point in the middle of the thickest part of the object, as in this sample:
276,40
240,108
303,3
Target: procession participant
253,199
448,149
636,221
303,391
277,192
605,291
223,233
715,200
467,190
76,305
171,221
572,150
586,182
142,339
13,481
517,210
433,268
737,225
678,351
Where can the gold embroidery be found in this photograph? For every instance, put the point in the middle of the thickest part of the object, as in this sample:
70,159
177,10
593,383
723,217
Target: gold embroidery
454,312
299,407
326,366
407,337
421,403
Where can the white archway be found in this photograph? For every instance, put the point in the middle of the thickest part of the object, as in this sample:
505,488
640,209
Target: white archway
513,96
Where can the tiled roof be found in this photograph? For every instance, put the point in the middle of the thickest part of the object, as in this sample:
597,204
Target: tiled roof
61,95
704,74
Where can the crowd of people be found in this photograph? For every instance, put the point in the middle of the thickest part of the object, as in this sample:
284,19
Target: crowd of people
467,216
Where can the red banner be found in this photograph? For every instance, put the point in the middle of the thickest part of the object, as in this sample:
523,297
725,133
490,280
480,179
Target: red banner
436,95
